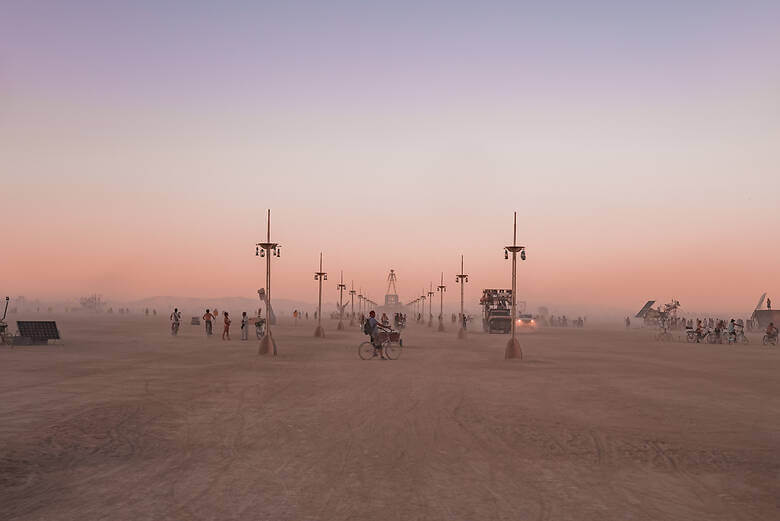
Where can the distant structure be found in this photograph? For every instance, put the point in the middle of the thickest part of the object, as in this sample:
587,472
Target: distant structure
763,317
92,303
391,296
653,317
392,302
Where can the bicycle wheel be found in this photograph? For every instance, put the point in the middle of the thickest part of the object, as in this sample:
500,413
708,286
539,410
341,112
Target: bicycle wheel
393,351
366,350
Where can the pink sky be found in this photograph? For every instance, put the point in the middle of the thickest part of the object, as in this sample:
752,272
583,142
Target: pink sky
640,150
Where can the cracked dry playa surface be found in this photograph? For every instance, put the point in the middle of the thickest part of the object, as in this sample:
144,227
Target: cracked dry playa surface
125,422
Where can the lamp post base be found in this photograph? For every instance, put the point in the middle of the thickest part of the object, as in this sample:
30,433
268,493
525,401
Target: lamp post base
513,349
319,332
462,333
340,325
430,322
441,326
267,345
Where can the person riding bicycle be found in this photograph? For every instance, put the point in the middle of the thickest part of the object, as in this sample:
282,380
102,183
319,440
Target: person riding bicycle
372,327
732,331
699,331
719,325
771,330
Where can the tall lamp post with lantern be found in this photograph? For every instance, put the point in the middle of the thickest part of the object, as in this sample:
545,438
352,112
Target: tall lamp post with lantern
352,308
320,276
461,278
341,287
431,293
513,349
441,288
268,249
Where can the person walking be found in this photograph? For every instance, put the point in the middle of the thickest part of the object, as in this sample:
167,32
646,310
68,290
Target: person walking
226,331
207,320
175,321
244,326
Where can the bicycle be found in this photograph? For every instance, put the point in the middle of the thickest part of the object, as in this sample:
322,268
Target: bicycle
389,343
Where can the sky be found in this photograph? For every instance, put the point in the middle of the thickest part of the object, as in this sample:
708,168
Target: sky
142,142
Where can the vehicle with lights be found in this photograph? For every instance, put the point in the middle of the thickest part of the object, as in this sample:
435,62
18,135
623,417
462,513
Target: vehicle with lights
496,310
526,322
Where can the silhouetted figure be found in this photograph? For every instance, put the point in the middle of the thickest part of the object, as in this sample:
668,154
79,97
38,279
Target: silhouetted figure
207,318
226,331
244,326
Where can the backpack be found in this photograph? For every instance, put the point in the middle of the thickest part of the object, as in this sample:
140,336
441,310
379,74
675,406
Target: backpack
366,327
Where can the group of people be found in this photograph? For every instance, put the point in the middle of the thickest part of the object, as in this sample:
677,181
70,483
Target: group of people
208,319
733,329
399,320
564,321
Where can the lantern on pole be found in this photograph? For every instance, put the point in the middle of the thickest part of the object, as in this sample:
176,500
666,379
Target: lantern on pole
320,276
513,349
441,288
461,278
268,249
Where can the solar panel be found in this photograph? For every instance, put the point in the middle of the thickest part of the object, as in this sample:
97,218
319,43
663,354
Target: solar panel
39,331
645,309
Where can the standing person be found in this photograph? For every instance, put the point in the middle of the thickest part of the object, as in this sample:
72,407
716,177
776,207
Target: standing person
207,318
769,303
244,326
175,321
226,331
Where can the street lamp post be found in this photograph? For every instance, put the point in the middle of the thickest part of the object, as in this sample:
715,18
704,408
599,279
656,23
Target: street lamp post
441,288
352,307
341,288
461,278
422,306
513,349
430,305
268,249
320,276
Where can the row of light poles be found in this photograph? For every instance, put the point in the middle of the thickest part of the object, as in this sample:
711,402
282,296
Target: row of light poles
270,249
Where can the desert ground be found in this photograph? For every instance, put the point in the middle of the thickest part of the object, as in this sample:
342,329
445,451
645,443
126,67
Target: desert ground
124,422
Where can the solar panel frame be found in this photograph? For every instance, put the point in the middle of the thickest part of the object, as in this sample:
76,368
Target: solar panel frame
39,331
645,309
